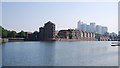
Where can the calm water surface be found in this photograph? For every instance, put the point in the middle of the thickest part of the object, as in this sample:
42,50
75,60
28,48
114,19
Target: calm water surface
59,53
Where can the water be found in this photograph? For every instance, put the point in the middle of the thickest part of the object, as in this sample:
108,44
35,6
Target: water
59,53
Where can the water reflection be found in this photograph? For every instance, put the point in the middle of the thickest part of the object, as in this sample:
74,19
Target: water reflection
59,53
47,54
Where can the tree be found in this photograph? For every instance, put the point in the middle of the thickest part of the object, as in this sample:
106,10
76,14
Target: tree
35,33
97,36
4,33
12,34
21,34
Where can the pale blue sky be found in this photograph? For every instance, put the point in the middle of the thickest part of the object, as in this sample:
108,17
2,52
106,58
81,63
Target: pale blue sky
29,16
60,0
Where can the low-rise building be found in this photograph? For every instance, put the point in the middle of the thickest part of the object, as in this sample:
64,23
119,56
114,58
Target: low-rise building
76,34
104,38
32,36
100,37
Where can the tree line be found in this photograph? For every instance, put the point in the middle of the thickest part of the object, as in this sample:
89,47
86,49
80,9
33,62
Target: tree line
4,33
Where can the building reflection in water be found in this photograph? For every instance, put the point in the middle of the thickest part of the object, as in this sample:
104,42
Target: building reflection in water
47,54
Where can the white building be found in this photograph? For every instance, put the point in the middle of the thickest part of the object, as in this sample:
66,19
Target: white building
81,26
92,28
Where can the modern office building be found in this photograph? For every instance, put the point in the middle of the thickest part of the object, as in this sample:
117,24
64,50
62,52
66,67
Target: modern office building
84,27
104,30
92,27
79,25
88,28
99,29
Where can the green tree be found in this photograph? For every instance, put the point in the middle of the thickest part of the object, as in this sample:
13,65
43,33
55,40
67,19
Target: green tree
35,32
12,34
4,33
21,34
70,35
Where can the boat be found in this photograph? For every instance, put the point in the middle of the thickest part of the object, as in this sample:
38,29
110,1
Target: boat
115,44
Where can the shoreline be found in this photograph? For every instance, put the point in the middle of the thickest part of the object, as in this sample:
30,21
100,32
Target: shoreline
2,40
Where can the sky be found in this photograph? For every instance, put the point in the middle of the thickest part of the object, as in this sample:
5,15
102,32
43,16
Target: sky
59,0
29,16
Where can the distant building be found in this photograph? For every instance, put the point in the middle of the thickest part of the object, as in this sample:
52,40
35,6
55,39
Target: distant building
84,27
76,35
100,37
41,33
28,34
64,34
92,28
104,30
47,32
84,32
67,34
104,38
79,25
113,34
88,28
32,36
99,29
